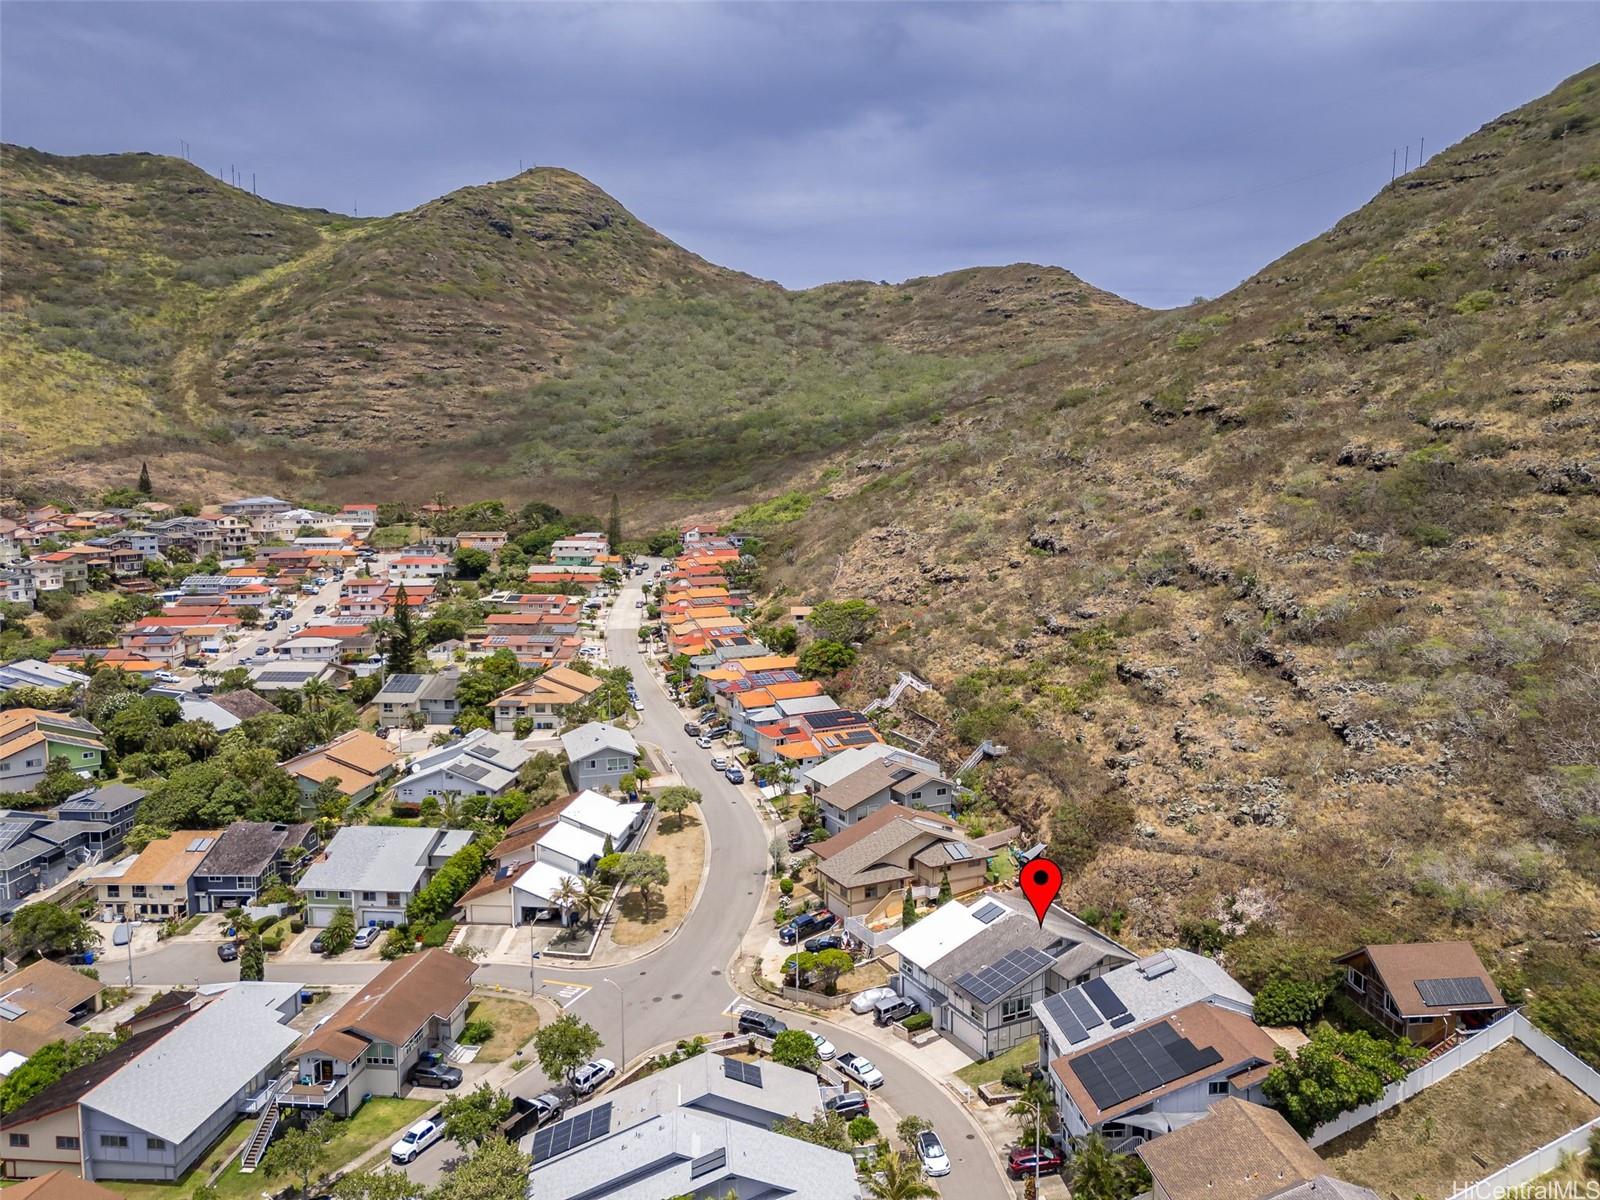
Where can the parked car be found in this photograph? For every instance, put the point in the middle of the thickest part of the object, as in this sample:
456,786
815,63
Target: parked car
889,1010
260,650
860,1068
296,627
719,762
638,603
591,1075
733,775
415,1140
317,945
365,936
528,1115
718,731
805,925
799,839
825,1048
1021,1161
321,608
228,952
703,742
270,625
864,1002
848,1104
828,941
764,1024
166,677
692,729
935,1159
435,1075
638,704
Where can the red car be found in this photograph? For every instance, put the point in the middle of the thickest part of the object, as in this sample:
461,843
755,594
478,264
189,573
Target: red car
1022,1162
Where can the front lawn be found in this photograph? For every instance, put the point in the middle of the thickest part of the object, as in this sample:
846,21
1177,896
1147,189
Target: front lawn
515,1022
1024,1056
685,851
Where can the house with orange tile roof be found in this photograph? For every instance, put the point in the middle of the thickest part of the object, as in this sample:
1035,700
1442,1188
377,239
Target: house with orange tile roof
154,884
31,737
356,762
545,700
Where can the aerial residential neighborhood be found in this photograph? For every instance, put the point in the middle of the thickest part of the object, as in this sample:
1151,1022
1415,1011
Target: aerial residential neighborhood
408,781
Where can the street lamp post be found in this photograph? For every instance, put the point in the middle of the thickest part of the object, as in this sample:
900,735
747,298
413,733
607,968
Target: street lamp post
622,1026
533,965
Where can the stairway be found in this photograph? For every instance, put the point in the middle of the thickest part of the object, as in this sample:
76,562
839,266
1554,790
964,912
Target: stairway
266,1126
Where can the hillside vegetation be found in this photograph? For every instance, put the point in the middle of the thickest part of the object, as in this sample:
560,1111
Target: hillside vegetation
529,333
1287,605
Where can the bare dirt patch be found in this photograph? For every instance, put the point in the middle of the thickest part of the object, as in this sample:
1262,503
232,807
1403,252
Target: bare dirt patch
683,845
1483,1117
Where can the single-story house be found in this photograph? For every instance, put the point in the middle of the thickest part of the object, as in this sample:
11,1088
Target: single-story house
44,1002
369,1046
1424,991
375,870
59,1185
289,676
1240,1151
357,762
599,755
30,672
483,763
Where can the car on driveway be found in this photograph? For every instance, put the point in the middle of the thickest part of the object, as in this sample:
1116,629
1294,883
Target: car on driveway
865,1002
365,936
848,1104
166,677
1021,1162
317,944
828,941
415,1140
807,924
860,1068
935,1159
228,952
591,1075
734,775
435,1075
825,1048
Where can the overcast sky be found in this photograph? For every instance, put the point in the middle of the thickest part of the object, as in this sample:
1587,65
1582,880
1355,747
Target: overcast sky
1161,151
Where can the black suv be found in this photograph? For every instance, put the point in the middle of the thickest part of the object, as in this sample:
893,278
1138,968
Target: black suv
827,941
848,1104
691,729
764,1024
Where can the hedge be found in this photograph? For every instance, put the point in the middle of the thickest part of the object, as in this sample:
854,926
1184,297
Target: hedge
438,933
918,1021
460,871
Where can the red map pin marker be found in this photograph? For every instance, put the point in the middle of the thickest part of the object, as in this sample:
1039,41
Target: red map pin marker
1041,884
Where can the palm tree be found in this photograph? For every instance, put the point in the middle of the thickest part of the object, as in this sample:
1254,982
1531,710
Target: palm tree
318,693
1096,1173
897,1178
592,898
1034,1112
567,895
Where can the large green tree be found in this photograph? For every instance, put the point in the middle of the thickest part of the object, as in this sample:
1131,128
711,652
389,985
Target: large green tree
50,1063
403,639
675,801
299,1152
1094,1172
472,1118
387,1184
253,959
496,1170
1335,1072
842,620
564,1045
49,929
794,1048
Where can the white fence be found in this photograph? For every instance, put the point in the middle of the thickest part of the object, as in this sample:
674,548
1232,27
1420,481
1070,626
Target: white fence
1452,1060
1547,1157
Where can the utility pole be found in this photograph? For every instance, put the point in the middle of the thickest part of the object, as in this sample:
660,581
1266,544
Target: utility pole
1420,143
1394,162
1408,158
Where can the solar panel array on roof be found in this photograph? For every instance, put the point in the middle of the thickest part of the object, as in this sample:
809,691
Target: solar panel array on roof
859,738
1104,998
1083,1008
742,1072
1059,1011
472,771
988,911
200,844
989,984
483,752
573,1132
1139,1063
403,684
1445,992
901,775
284,676
958,851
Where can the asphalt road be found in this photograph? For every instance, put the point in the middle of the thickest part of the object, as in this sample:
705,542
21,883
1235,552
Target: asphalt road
680,989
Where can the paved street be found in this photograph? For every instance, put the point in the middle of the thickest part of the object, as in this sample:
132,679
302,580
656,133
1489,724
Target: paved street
680,989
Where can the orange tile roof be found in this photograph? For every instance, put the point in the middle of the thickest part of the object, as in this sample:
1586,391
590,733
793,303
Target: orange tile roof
166,861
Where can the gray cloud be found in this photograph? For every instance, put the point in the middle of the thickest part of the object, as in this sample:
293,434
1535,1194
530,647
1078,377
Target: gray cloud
1160,150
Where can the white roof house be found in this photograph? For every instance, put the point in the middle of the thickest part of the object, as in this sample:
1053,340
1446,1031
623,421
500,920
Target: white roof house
482,763
204,1064
568,847
595,737
945,929
847,763
540,882
601,815
30,672
800,706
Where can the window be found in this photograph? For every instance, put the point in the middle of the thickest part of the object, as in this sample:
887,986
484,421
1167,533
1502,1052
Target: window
113,1141
66,1143
1017,1008
1355,979
369,897
151,1143
1217,1087
113,890
18,1140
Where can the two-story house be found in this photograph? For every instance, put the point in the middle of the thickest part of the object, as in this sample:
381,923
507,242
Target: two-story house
887,780
432,696
482,763
30,737
981,969
370,1045
375,870
109,812
867,866
154,884
543,701
246,855
599,755
356,762
1424,991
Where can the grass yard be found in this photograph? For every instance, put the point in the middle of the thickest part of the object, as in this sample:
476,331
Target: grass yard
236,1190
684,848
1501,1107
869,974
1024,1056
514,1023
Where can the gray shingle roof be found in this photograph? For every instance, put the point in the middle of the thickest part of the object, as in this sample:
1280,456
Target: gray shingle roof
249,847
596,735
375,858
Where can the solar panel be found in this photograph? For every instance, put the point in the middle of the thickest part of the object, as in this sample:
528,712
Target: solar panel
742,1072
484,752
1088,1015
1121,1019
402,685
1156,966
958,852
1099,991
573,1132
988,912
990,983
1069,1024
1446,992
1138,1063
200,843
472,771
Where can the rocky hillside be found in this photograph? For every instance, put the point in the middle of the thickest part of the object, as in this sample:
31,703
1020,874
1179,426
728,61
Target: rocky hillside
529,334
1287,605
